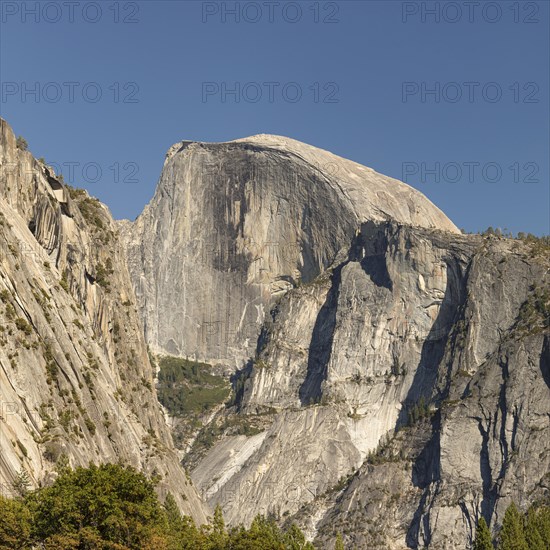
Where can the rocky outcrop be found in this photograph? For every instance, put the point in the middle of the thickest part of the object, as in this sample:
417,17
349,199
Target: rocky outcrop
478,401
233,225
75,378
413,324
399,368
391,376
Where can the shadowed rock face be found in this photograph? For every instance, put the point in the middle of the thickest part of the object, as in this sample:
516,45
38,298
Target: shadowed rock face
75,377
232,225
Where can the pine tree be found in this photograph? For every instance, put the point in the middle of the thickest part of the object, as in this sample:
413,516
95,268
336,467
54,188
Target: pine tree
22,483
512,535
171,509
537,528
15,523
339,545
483,536
182,531
218,537
294,539
21,143
544,524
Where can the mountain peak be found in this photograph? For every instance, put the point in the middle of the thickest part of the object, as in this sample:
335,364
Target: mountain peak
369,194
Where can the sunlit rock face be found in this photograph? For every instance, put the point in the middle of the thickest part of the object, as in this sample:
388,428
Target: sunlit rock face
75,377
400,390
234,225
421,353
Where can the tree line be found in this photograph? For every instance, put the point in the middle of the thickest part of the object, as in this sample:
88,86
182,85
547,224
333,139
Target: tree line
528,531
114,507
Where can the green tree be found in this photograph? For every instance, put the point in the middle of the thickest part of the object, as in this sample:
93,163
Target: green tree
15,524
263,533
22,483
109,502
218,537
532,535
266,532
21,143
182,531
544,524
112,507
339,544
483,536
294,539
173,514
537,528
512,536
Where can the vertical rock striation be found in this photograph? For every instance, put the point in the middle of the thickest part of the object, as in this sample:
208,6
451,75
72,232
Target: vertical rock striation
75,374
398,370
233,225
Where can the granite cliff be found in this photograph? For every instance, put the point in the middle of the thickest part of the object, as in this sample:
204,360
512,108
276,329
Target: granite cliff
390,376
394,371
234,224
76,381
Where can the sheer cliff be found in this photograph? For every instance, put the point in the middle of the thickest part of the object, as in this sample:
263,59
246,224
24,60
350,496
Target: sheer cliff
438,375
390,376
234,224
76,381
395,372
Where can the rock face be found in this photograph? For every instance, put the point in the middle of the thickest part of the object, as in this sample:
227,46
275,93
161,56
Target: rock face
75,377
464,362
434,327
391,376
232,225
401,370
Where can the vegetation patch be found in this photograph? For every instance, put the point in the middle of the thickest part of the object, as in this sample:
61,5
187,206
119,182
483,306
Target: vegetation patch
418,412
540,246
115,507
527,531
21,143
186,386
23,326
92,212
534,314
103,272
63,283
90,208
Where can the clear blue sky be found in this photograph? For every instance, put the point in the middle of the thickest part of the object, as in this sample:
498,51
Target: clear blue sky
152,65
